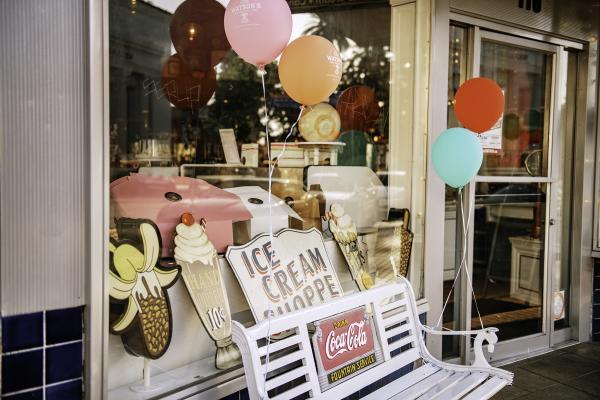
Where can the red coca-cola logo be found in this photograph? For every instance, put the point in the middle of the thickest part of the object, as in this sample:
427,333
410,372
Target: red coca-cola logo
349,340
344,337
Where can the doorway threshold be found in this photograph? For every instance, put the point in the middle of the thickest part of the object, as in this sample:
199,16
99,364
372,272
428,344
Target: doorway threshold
521,357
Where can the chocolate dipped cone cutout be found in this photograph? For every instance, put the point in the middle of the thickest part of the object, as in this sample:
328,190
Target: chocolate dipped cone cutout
136,278
345,234
197,256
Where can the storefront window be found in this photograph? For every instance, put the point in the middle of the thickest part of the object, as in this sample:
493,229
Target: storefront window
190,139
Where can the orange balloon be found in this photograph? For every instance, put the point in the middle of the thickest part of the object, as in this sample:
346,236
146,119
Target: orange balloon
310,69
478,104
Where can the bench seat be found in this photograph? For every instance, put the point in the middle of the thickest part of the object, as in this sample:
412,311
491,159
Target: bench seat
291,371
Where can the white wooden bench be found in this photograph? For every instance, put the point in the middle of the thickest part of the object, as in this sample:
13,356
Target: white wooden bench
291,371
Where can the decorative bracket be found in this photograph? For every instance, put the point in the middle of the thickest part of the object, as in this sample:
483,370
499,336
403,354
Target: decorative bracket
488,335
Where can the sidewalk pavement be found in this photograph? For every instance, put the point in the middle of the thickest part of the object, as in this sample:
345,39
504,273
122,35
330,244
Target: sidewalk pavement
571,373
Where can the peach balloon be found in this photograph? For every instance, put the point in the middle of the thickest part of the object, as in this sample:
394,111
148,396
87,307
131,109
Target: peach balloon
310,69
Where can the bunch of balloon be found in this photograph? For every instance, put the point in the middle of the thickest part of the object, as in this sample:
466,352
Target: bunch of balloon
188,78
457,154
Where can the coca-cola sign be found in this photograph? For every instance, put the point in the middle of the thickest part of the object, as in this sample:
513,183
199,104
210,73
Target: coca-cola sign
344,345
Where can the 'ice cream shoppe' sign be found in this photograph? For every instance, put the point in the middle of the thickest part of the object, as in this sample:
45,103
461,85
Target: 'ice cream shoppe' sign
301,274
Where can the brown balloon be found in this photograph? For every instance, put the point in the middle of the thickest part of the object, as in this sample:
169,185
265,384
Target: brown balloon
184,88
358,109
198,33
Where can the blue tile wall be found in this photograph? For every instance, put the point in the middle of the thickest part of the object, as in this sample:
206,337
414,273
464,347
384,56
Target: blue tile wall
43,353
22,332
64,325
64,362
65,391
596,304
22,371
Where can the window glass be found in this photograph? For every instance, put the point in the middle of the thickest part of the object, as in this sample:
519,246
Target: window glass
524,75
187,136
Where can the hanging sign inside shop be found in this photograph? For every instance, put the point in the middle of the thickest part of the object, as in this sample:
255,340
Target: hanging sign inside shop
491,140
310,5
344,346
300,276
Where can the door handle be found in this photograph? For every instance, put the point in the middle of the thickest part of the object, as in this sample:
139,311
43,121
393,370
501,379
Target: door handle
552,222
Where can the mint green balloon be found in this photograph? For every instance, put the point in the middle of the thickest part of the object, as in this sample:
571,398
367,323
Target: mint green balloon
457,156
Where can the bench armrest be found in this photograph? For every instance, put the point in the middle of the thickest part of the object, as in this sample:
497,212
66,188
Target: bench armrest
486,334
433,331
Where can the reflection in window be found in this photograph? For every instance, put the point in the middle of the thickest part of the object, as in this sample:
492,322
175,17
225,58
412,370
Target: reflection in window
154,124
524,75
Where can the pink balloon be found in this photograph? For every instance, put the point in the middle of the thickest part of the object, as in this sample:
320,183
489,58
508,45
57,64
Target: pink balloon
258,30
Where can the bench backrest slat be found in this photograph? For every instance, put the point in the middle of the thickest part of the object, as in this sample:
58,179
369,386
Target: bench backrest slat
291,362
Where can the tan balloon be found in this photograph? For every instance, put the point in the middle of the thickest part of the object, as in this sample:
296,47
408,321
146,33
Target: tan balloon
310,69
321,123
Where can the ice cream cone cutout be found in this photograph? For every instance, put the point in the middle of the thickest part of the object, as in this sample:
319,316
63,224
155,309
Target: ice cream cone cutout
200,270
136,278
345,234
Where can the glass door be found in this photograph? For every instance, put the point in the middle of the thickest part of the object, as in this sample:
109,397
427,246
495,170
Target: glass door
513,234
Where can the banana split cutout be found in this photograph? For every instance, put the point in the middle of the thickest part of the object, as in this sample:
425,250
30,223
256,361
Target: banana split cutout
197,256
136,279
345,234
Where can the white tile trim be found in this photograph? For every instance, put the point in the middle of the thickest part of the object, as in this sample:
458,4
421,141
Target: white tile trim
10,353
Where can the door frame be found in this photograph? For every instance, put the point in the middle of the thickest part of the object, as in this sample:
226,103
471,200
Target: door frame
584,182
558,59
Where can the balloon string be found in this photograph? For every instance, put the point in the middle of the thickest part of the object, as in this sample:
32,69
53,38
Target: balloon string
263,73
272,165
287,137
465,229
